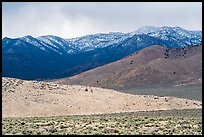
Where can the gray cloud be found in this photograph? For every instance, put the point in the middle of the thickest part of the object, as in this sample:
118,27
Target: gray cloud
77,19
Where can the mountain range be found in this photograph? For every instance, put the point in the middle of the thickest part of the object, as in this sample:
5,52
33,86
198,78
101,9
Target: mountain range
152,66
52,57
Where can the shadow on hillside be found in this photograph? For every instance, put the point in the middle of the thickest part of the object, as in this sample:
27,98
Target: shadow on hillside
190,91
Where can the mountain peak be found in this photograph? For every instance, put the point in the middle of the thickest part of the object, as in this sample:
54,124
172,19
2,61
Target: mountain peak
146,29
27,38
6,38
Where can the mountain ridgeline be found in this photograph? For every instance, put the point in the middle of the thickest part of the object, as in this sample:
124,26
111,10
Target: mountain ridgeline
52,57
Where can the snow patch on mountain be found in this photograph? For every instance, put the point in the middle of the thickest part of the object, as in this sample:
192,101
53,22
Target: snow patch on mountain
91,42
29,39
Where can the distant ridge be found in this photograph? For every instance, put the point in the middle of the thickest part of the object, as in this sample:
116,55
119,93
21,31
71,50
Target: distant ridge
52,57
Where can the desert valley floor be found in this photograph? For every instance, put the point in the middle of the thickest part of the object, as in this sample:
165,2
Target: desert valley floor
33,100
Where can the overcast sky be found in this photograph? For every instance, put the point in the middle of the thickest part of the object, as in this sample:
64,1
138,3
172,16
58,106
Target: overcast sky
68,20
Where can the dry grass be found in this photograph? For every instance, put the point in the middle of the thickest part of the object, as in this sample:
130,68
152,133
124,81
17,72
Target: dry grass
176,122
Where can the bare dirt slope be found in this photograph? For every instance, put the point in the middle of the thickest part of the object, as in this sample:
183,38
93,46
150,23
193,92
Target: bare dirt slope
31,98
155,65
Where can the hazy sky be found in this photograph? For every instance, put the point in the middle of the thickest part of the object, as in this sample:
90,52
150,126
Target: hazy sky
72,19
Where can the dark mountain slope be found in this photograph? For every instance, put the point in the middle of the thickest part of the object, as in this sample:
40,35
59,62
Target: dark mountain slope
52,57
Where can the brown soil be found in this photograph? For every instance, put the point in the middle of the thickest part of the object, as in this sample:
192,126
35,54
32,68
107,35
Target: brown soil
155,65
31,98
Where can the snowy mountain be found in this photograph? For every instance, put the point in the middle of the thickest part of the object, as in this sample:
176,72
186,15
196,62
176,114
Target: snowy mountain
169,35
54,57
146,29
59,44
176,34
91,42
44,43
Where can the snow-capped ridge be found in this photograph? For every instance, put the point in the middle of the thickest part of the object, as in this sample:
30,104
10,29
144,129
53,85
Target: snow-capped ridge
102,40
